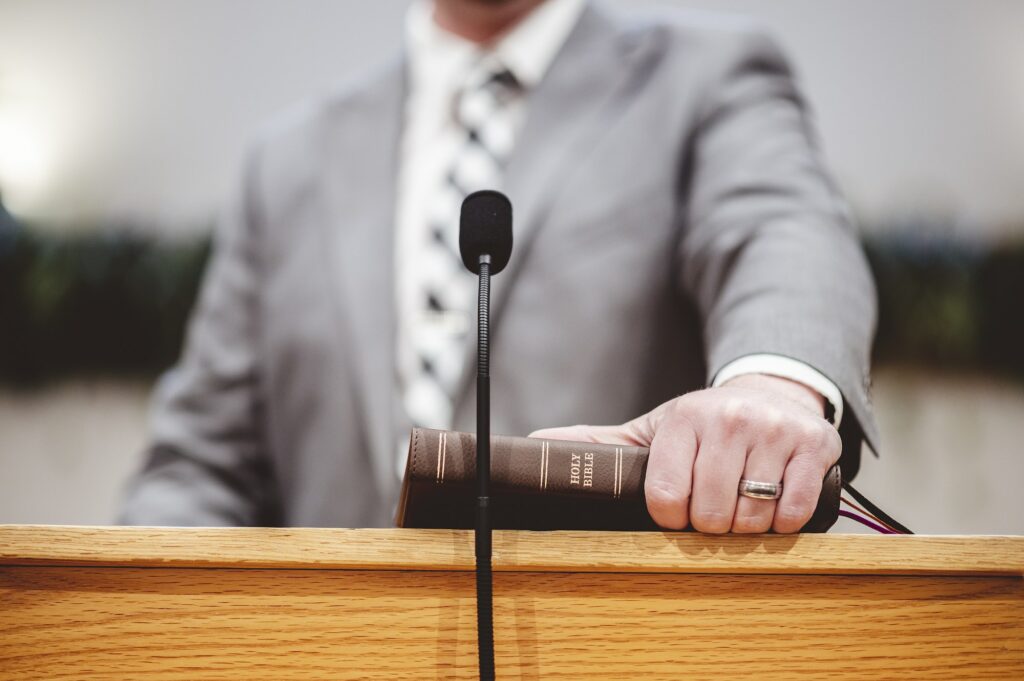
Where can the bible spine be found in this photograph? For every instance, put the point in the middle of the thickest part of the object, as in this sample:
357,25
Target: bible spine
531,465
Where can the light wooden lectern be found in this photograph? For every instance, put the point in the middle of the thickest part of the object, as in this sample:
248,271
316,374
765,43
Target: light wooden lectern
143,603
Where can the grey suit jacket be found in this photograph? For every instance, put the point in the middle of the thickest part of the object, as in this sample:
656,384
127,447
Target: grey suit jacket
671,215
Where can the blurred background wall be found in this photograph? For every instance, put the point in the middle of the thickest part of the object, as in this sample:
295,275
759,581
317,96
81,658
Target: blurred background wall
122,121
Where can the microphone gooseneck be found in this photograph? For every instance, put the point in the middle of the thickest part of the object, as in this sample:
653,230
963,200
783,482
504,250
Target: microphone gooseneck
484,579
485,244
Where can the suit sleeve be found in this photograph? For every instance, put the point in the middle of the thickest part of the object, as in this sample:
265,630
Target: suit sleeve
769,252
207,462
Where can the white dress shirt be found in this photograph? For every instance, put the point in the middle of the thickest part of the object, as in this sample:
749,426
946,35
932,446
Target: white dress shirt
439,65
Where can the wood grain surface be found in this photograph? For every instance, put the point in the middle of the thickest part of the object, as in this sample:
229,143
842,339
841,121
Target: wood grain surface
185,624
176,603
406,549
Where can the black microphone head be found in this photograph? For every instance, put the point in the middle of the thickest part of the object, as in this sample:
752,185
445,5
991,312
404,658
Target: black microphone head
485,227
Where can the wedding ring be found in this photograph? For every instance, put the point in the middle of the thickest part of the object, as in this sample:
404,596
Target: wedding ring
760,490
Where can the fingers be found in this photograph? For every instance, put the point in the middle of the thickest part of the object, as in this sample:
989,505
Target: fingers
764,464
728,428
670,471
801,488
818,449
716,477
770,451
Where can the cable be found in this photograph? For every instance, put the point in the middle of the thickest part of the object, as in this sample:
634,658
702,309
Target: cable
899,527
864,521
867,513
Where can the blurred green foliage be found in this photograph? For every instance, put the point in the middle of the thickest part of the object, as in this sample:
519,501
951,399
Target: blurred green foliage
949,305
116,302
108,302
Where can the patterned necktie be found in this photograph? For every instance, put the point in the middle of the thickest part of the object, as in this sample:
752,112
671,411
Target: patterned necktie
445,289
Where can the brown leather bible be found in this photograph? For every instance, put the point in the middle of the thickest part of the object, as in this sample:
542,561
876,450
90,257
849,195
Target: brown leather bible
542,485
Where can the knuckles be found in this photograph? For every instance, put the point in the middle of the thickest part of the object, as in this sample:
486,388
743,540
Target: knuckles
711,522
758,418
667,505
663,495
773,425
735,415
789,520
756,415
756,524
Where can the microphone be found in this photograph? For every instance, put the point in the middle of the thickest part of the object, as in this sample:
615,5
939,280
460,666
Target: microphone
485,243
485,228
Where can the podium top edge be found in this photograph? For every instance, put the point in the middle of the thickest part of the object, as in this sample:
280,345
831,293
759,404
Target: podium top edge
514,551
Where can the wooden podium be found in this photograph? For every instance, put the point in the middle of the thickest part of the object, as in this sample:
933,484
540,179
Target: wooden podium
147,603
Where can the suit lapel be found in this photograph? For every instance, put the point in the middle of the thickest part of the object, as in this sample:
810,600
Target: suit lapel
567,112
362,158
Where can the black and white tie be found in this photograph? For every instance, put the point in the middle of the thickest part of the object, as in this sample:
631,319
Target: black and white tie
445,289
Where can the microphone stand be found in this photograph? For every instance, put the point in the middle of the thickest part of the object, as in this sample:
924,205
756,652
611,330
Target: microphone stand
485,244
484,604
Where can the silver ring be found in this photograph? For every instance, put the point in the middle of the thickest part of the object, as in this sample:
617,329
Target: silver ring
760,490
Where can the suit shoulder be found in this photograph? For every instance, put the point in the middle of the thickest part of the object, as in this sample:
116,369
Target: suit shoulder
698,54
688,24
708,36
304,123
289,147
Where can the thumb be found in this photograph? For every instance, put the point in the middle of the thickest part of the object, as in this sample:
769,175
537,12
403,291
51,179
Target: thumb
636,433
611,435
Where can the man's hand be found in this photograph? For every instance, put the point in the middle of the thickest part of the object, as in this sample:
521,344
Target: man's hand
755,427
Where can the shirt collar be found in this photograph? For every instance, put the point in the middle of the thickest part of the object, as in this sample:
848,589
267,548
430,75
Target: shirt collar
527,50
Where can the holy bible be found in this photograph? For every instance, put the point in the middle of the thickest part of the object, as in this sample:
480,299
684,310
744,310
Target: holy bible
542,485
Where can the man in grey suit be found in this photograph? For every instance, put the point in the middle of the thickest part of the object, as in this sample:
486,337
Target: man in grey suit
675,229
